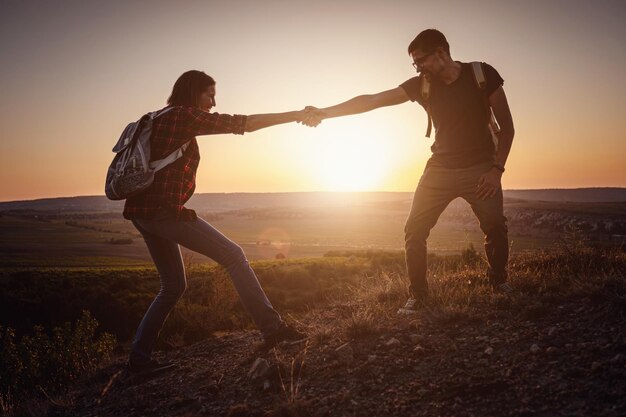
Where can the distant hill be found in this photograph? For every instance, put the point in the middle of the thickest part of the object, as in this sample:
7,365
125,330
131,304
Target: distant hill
235,201
214,201
579,195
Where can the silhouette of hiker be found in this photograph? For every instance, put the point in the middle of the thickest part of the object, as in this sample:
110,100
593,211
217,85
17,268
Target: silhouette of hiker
465,162
160,216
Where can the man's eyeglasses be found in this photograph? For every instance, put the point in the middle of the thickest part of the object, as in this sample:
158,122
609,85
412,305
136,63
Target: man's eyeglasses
420,61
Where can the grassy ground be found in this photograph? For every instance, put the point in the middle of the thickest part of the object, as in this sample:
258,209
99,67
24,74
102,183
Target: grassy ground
468,351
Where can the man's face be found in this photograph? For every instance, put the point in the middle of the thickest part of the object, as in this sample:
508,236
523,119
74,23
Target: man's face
427,62
206,100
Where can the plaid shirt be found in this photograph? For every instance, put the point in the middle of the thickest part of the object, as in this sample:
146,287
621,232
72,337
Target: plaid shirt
175,184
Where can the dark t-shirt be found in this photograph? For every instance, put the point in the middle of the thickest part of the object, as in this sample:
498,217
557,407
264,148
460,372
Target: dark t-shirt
459,114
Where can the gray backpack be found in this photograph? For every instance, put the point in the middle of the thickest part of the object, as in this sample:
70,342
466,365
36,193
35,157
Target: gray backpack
131,170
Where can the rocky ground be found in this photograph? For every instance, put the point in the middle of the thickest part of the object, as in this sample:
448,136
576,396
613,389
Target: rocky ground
513,357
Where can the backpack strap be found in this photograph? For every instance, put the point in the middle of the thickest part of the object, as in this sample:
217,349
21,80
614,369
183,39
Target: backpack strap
160,113
481,82
162,163
479,75
425,93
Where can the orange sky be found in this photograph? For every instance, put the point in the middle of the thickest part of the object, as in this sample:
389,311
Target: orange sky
73,76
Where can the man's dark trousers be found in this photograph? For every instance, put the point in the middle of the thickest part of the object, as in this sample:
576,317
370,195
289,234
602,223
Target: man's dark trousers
437,187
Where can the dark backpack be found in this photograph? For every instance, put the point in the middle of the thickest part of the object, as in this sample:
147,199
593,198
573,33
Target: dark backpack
131,170
481,82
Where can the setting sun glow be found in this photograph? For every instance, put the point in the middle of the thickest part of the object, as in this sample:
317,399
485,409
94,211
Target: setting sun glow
351,156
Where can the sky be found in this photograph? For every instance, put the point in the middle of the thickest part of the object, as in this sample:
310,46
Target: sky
74,73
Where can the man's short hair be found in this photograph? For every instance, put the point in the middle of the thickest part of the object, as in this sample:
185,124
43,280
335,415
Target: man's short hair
429,40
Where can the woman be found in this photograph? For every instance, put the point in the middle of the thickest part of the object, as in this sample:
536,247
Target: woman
160,216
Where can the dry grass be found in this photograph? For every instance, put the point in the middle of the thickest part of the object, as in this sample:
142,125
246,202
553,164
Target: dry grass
460,295
361,324
6,405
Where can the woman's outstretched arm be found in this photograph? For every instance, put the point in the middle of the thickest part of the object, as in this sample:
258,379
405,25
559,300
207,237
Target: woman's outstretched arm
261,121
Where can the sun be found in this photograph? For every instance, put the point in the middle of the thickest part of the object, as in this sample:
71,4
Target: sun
352,156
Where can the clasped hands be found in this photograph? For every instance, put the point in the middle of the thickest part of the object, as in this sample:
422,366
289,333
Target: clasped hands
311,116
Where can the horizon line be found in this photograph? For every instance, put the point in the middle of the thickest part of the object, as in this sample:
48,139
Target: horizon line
319,192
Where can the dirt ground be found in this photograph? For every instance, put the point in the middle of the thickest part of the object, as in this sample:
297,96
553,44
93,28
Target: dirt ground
560,358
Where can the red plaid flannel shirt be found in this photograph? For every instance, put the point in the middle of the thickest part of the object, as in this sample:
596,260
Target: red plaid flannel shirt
175,184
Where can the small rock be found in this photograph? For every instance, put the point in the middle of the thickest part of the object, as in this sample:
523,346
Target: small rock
419,349
371,358
595,365
392,342
494,341
488,351
482,338
618,359
508,373
552,350
534,349
551,330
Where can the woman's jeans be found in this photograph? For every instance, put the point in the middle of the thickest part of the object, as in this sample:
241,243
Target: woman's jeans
163,235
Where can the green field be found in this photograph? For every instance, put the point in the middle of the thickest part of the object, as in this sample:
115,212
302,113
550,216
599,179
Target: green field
30,242
54,237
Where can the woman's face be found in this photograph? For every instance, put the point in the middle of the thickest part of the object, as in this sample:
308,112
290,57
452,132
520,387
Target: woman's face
206,100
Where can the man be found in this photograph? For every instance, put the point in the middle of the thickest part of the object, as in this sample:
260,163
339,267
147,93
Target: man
465,162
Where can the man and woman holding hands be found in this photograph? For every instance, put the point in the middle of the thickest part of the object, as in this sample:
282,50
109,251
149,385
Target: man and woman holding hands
466,162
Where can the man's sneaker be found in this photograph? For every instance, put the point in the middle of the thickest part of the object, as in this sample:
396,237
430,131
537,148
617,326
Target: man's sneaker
411,306
504,288
284,333
149,368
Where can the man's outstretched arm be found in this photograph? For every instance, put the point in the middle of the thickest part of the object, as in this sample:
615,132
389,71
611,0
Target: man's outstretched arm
362,104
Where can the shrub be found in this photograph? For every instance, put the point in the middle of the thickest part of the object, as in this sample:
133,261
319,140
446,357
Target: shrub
469,256
51,361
